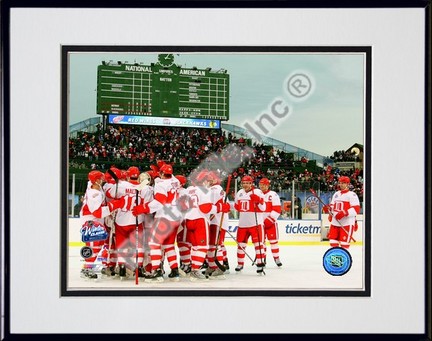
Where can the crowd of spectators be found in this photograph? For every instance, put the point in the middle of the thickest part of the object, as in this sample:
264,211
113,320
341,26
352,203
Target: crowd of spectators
188,148
344,155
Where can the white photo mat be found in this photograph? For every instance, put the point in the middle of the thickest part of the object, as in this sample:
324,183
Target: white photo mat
397,301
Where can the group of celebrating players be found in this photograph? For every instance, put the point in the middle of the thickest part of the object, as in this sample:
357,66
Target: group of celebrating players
137,222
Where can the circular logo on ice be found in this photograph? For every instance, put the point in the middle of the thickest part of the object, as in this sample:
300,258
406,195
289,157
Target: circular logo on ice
337,261
86,252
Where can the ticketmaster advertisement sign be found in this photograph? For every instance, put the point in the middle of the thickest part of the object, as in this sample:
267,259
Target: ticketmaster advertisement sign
296,231
290,230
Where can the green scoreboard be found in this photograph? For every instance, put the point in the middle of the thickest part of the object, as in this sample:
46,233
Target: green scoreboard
162,89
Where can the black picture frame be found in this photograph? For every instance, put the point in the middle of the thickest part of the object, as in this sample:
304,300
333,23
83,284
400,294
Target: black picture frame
7,190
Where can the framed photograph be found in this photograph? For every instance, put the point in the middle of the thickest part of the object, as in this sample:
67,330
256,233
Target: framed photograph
231,159
205,101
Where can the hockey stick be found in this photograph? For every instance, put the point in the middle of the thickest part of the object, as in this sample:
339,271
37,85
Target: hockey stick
136,240
116,179
330,210
219,265
240,246
256,225
112,230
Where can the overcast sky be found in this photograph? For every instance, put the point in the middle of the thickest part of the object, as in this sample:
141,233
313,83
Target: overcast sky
317,98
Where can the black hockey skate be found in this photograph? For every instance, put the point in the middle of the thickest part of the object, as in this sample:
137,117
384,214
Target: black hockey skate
88,273
207,272
122,271
217,274
108,271
239,268
141,272
185,270
278,262
83,273
92,275
260,269
154,277
226,265
196,275
174,275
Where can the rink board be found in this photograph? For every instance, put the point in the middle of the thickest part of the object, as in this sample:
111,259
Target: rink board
292,231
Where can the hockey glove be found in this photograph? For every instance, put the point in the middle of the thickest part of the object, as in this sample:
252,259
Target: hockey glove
269,222
141,209
256,199
355,226
330,218
223,207
115,204
341,214
124,203
327,209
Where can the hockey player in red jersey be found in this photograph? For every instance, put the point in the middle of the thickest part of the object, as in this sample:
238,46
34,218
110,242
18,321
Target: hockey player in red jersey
183,245
343,209
198,208
216,180
92,215
126,224
216,231
146,181
109,254
249,202
270,215
167,220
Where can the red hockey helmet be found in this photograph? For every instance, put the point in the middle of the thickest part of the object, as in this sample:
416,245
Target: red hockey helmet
95,175
154,168
123,174
166,169
117,172
154,174
247,178
182,179
344,179
160,163
109,178
133,172
265,181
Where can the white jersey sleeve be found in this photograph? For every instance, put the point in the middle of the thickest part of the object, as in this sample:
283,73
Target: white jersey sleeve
93,207
348,202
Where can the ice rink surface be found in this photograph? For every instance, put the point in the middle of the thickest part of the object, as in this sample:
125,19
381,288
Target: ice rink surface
302,271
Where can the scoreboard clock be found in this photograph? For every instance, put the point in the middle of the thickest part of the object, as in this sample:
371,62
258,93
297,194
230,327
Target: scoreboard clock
166,59
162,89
